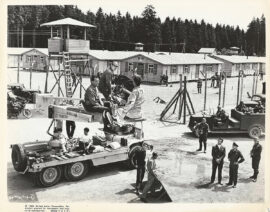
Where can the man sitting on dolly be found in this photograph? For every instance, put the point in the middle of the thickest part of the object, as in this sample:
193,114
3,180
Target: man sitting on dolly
133,107
85,141
92,101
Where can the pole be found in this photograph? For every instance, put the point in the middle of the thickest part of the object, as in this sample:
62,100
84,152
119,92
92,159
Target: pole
68,34
175,106
219,89
81,82
51,32
241,87
84,33
31,69
58,93
185,94
256,84
180,97
238,86
205,90
22,38
18,72
61,32
253,83
46,80
224,89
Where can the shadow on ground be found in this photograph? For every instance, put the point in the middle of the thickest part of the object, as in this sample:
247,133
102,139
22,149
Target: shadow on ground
21,188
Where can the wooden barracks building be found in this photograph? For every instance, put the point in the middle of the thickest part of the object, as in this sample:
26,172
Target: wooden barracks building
151,66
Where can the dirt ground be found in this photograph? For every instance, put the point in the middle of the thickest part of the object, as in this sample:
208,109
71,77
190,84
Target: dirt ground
183,171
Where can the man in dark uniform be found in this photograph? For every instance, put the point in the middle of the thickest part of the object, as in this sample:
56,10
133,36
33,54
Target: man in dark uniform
218,80
105,84
199,85
218,154
259,108
213,78
242,107
255,154
220,116
235,157
139,160
203,133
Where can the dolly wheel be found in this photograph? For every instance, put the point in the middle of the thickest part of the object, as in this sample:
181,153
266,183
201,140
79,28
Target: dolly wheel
255,131
18,157
50,176
76,171
27,113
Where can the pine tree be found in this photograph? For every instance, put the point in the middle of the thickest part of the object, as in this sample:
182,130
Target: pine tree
152,26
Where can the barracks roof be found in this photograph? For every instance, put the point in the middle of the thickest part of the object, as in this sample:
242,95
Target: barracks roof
241,59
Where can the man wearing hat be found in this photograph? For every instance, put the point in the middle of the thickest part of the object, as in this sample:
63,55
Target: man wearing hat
105,83
235,157
218,154
203,133
255,154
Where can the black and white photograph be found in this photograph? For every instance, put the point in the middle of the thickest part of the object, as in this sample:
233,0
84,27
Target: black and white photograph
143,102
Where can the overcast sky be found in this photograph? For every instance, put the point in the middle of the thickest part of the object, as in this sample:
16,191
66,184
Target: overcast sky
231,12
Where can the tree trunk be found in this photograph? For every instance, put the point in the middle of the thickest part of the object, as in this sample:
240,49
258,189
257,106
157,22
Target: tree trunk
22,38
18,37
34,38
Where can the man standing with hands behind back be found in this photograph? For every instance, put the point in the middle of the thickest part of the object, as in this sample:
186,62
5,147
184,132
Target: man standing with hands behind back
218,154
255,154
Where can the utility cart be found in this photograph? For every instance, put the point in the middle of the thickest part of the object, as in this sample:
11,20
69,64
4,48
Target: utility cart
48,167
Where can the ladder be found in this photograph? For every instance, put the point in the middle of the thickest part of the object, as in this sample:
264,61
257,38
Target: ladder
67,72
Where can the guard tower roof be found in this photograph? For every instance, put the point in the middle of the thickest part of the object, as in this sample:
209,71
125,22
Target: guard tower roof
67,21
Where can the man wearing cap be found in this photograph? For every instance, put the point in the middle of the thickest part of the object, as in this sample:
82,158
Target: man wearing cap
235,157
203,128
255,154
151,169
218,154
139,160
105,84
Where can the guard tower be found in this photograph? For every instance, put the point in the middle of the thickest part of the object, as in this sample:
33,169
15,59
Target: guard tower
72,55
139,47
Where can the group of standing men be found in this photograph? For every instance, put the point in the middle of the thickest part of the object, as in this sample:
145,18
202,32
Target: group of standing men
215,82
235,157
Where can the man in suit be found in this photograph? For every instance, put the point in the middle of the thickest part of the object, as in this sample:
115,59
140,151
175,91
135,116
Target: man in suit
255,154
235,157
92,102
218,154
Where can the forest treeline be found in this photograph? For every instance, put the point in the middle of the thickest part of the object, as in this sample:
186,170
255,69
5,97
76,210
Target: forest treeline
121,31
